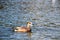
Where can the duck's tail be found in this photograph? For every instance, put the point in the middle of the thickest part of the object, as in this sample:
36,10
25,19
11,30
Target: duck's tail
13,28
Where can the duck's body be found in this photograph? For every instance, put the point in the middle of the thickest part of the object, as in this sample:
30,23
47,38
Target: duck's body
24,29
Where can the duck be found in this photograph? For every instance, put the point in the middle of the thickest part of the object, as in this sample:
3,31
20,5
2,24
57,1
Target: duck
26,28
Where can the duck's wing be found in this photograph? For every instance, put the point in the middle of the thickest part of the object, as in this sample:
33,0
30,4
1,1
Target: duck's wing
23,27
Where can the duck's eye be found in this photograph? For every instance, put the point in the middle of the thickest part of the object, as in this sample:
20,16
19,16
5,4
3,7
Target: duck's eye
29,23
16,29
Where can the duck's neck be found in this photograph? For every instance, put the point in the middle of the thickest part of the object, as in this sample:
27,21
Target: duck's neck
28,26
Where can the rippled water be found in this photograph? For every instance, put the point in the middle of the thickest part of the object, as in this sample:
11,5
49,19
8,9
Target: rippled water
44,15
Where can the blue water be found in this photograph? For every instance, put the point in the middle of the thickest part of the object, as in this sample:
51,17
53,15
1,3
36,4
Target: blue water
44,15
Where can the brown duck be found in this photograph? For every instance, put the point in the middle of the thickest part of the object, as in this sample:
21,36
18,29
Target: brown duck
24,29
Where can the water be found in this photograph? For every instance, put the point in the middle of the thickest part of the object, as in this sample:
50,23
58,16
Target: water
44,15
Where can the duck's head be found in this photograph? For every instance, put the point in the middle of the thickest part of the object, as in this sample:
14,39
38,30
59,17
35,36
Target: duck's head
29,24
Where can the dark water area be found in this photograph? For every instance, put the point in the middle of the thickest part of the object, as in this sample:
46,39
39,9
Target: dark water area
44,14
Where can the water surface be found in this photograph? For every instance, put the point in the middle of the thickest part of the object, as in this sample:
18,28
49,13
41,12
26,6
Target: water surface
44,15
